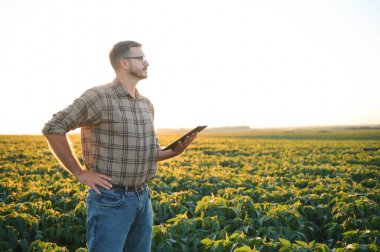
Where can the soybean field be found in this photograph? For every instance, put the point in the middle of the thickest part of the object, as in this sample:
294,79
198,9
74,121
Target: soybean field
310,191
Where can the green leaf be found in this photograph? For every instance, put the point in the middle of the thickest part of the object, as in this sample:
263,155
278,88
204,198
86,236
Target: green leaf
207,242
351,232
284,242
218,246
302,243
284,248
243,249
234,235
325,248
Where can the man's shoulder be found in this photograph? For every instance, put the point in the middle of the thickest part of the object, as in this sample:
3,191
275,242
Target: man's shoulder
100,90
144,98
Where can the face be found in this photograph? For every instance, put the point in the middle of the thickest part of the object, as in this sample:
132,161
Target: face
138,66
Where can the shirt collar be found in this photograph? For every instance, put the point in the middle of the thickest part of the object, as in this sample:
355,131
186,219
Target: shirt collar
121,91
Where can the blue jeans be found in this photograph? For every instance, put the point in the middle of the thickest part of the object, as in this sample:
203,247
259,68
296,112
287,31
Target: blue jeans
118,221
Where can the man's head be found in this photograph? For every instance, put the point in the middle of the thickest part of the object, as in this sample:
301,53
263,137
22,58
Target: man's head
121,50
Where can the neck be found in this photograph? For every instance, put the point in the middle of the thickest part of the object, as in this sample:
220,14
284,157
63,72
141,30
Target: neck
129,83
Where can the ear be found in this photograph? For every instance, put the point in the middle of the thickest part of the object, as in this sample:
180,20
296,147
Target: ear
124,64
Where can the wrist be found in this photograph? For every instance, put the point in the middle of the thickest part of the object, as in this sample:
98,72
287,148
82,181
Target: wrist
79,172
173,153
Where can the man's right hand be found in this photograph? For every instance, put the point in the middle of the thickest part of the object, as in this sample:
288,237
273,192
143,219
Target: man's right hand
93,179
61,148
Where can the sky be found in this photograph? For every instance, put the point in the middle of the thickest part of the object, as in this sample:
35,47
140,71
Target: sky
212,62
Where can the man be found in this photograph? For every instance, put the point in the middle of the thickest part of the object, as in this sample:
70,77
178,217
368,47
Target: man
120,152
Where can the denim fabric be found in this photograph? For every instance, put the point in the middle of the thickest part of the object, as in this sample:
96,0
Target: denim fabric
118,221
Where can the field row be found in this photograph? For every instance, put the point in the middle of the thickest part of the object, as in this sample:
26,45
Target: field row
223,194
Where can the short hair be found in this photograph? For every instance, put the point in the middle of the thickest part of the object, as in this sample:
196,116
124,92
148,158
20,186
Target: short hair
120,50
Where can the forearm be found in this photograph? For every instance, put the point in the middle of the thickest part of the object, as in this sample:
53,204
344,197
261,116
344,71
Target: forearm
163,155
60,146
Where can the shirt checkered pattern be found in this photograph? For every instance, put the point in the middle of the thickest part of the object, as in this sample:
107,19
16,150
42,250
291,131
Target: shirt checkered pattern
117,133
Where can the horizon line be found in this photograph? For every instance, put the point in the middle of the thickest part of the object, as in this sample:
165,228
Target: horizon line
242,127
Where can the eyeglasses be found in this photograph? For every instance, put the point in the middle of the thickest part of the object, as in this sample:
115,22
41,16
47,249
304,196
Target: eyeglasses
143,59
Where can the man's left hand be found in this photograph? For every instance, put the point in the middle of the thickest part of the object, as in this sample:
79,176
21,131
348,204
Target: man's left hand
182,146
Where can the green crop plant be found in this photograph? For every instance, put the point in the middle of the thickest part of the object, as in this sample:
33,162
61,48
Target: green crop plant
242,192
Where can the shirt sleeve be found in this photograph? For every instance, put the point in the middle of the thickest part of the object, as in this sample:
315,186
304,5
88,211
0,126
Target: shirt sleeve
87,109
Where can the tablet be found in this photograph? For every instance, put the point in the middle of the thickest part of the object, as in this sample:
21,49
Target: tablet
197,129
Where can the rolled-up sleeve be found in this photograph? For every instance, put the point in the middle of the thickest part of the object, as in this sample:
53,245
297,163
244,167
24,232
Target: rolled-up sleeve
87,109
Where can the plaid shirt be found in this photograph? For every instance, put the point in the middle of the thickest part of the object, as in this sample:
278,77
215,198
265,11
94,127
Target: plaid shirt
117,133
